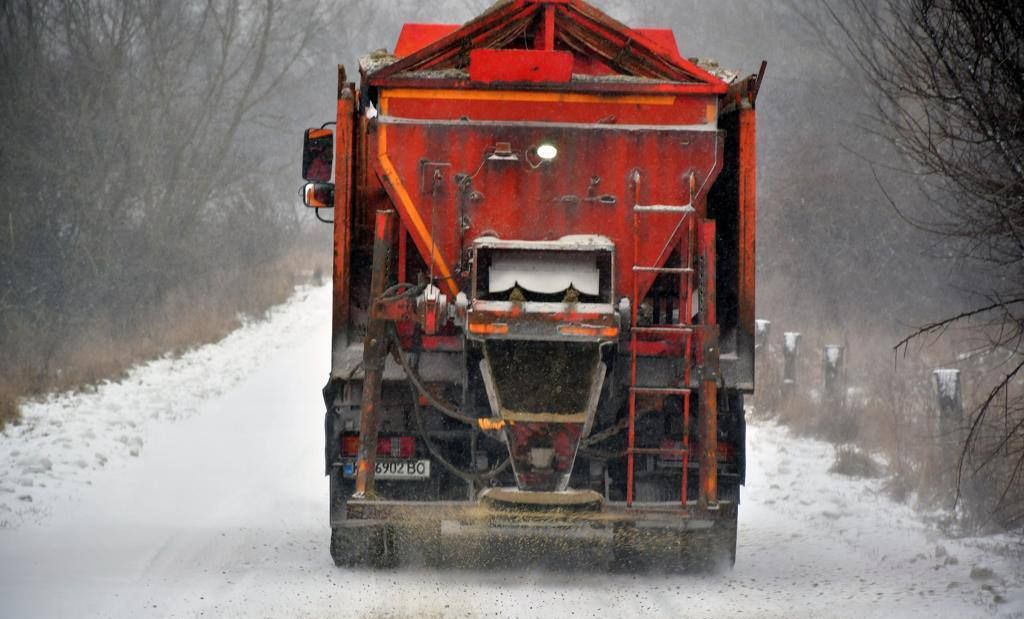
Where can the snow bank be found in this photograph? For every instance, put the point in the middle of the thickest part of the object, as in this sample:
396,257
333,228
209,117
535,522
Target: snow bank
224,513
63,440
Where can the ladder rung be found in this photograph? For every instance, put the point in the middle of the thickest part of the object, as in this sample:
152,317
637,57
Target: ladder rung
663,208
677,270
665,329
659,451
661,390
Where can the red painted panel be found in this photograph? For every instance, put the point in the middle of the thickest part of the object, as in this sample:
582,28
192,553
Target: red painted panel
519,65
588,65
747,217
552,107
523,198
415,37
343,173
576,25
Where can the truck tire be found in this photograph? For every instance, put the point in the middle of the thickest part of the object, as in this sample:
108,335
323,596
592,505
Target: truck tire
354,546
709,551
348,546
724,545
370,546
340,491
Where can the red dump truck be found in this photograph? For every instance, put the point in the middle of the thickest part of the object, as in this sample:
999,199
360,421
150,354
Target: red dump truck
543,287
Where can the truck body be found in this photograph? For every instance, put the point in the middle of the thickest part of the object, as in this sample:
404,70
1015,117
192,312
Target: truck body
544,227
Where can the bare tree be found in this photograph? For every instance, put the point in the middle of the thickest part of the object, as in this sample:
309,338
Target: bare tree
947,80
136,158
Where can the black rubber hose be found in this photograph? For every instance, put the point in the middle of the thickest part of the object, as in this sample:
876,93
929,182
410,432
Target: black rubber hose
478,478
417,382
417,388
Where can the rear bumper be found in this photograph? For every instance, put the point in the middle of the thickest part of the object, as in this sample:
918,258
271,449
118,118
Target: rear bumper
468,518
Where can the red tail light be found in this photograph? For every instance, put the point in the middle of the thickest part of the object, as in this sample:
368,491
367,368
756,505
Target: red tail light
397,447
350,445
403,447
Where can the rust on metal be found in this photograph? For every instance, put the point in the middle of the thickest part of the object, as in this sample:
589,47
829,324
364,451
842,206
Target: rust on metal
375,347
343,206
709,371
747,219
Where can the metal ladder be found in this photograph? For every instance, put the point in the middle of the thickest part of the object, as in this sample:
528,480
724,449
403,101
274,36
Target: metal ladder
681,325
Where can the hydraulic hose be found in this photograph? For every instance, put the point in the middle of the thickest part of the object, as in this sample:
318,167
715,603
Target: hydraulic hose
478,478
417,388
417,382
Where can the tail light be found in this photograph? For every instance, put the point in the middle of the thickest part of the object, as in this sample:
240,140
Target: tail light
387,446
589,330
350,445
483,328
397,447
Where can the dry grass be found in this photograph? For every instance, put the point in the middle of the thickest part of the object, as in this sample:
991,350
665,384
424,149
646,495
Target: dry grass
187,318
8,406
891,412
853,462
14,385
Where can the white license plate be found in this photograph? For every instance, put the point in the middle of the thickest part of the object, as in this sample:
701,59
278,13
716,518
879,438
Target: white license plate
396,469
403,469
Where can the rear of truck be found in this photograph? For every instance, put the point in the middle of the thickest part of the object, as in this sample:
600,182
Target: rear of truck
543,287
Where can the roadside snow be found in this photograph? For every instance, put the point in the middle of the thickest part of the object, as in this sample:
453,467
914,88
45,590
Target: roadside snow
223,513
65,440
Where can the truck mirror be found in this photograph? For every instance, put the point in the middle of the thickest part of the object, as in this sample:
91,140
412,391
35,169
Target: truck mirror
317,155
318,195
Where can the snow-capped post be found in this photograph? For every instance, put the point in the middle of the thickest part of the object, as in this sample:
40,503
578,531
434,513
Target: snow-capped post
762,330
791,345
764,367
834,372
950,405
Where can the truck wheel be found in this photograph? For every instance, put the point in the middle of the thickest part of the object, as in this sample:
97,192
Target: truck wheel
706,551
353,546
717,547
725,544
340,491
348,546
364,546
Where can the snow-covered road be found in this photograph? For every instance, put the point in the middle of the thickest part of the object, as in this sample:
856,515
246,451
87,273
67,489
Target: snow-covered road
193,488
